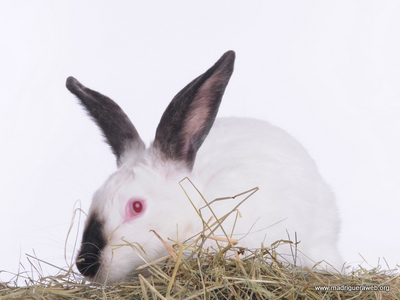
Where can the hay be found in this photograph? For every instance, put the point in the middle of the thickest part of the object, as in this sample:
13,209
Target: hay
228,272
209,275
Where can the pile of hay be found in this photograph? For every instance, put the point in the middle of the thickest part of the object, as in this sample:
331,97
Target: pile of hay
211,276
228,272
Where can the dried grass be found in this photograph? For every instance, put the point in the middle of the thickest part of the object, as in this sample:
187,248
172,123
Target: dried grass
211,276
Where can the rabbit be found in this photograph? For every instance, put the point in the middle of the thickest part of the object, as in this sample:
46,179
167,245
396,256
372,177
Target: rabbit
221,158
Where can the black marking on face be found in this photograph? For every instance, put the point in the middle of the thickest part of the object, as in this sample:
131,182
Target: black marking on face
93,242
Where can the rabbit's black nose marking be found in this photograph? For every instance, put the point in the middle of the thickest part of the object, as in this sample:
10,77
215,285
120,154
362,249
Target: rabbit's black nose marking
92,243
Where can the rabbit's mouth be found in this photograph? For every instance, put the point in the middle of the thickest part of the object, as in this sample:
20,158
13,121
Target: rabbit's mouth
93,242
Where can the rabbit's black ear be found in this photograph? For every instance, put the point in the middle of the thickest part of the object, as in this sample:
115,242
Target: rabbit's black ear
188,118
113,122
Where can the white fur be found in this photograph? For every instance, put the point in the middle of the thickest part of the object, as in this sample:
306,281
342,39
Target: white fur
238,154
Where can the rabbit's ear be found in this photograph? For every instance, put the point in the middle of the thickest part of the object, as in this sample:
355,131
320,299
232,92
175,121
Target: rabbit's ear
190,115
114,123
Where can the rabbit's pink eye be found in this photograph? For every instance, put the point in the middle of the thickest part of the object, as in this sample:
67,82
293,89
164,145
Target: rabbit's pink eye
137,207
134,208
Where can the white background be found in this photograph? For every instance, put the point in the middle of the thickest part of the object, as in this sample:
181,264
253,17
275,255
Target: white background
327,72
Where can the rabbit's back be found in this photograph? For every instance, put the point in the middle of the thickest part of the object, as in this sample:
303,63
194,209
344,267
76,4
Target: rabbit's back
240,154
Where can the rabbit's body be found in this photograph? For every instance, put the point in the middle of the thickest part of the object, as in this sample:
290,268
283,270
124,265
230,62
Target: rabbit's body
144,194
292,196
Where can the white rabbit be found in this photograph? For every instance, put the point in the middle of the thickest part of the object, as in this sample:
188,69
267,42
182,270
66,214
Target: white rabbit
238,154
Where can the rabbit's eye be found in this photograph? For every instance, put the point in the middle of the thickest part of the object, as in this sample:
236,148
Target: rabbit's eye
137,206
134,208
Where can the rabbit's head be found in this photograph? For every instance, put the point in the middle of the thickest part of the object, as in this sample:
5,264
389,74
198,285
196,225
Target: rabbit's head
144,194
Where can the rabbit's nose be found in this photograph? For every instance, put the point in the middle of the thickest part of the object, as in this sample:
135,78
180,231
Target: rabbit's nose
88,261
